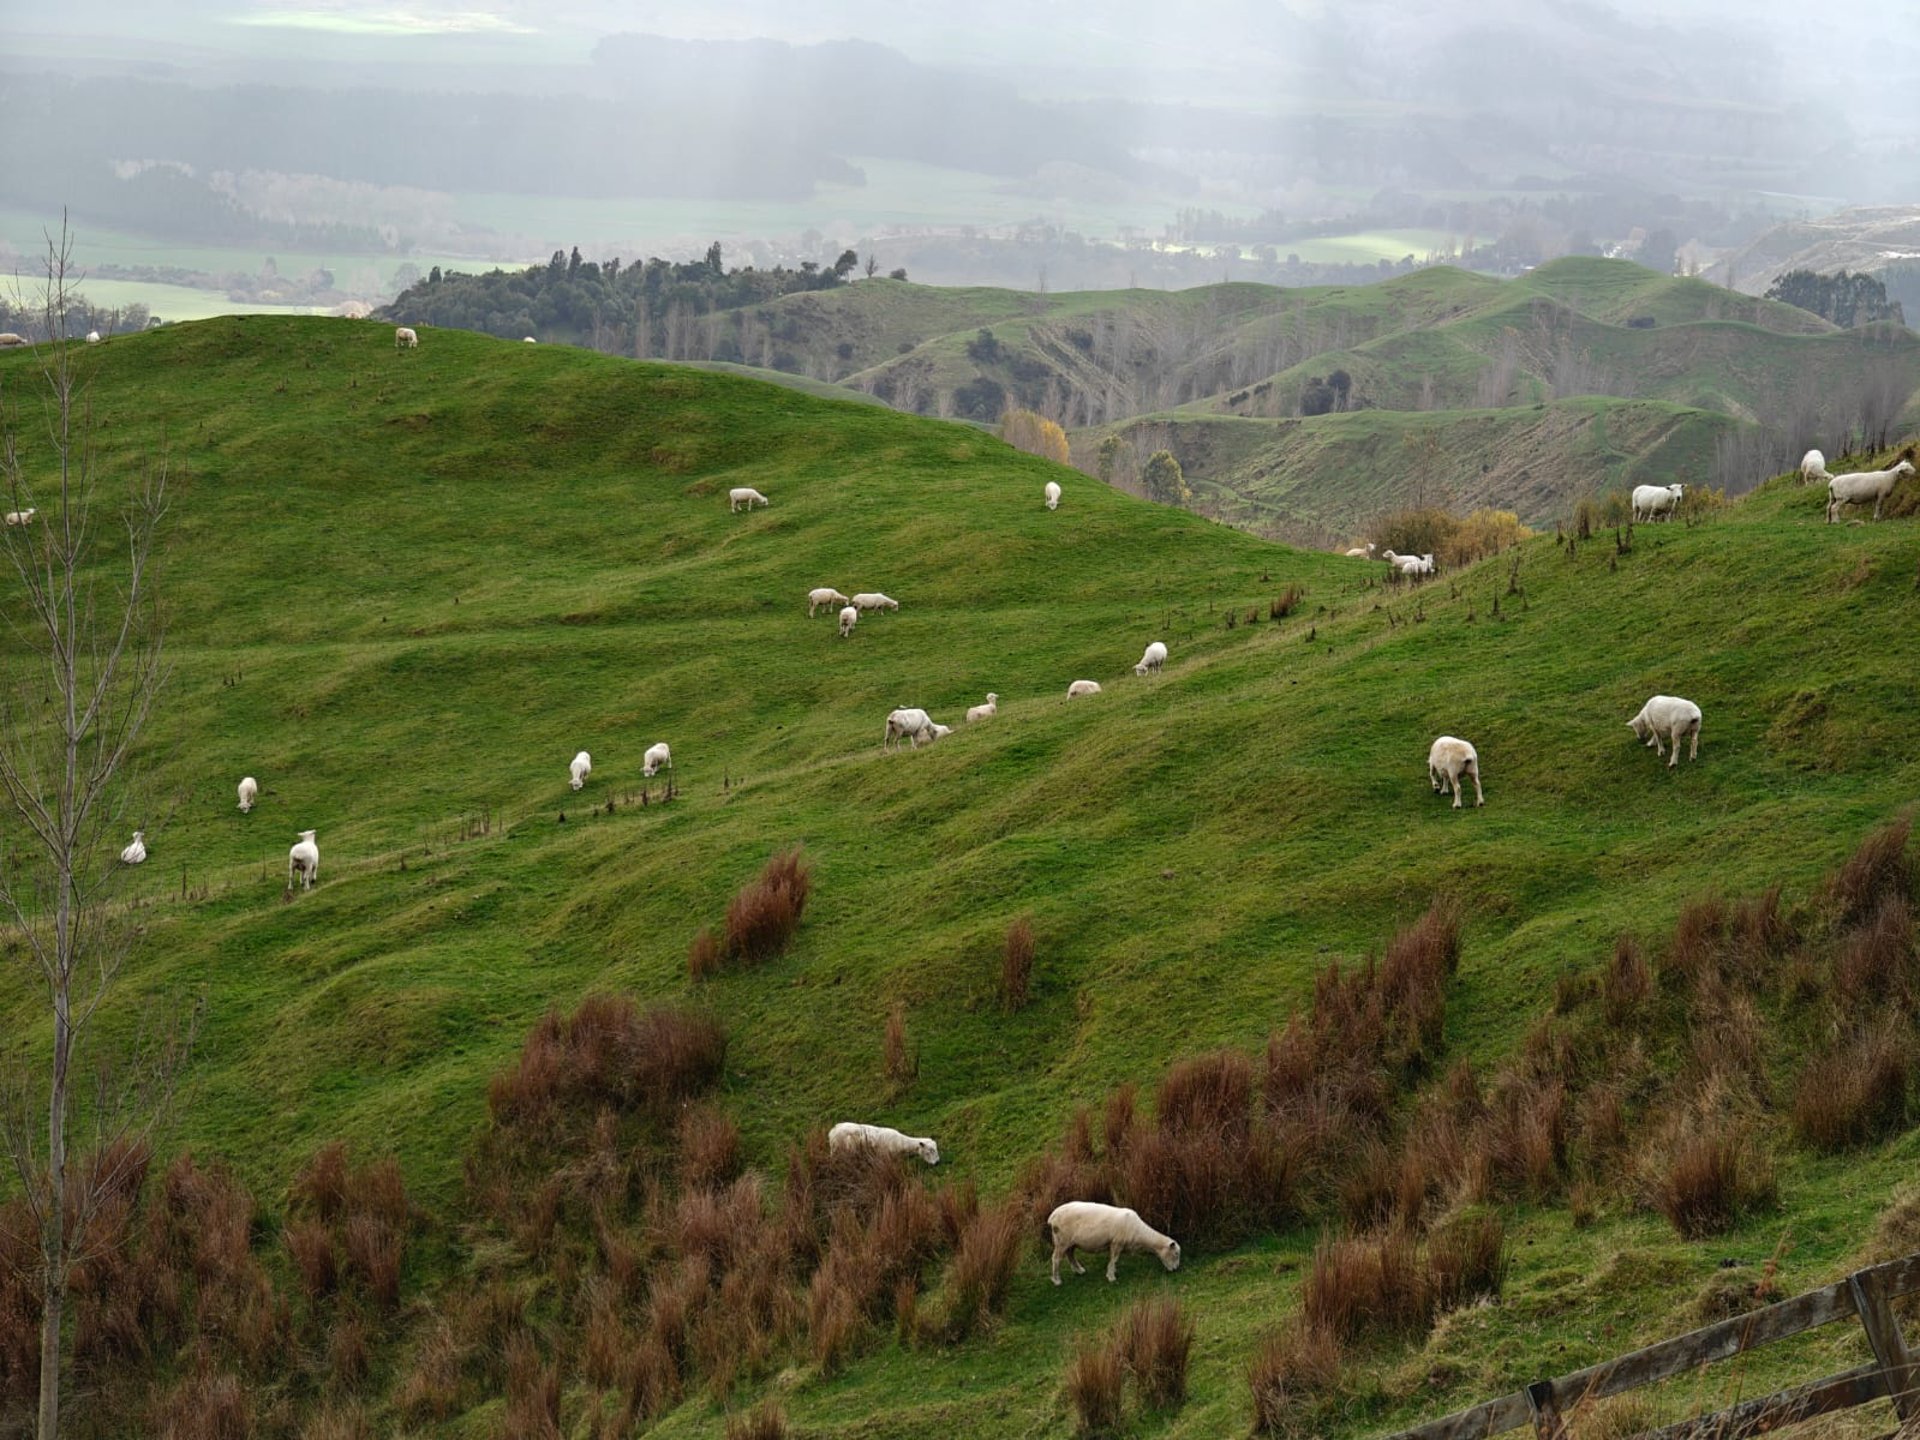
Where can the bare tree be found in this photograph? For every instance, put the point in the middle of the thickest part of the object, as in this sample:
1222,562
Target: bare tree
83,666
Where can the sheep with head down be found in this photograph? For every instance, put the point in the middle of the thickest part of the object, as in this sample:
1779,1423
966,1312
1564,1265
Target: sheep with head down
1089,1225
850,1135
1668,718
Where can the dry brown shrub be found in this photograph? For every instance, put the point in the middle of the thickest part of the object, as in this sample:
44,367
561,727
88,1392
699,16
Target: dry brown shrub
373,1255
1291,1374
1706,1175
377,1189
1467,1259
1094,1382
1367,1284
1116,1125
207,1405
766,1422
1880,867
321,1185
607,1053
763,916
430,1389
1208,1092
604,1339
1629,982
310,1247
1761,931
899,1062
349,1351
983,1266
704,956
1857,1091
1696,953
651,1378
1727,1045
1285,603
709,1149
533,1392
347,1422
1052,1180
1874,962
906,1310
1155,1339
1016,964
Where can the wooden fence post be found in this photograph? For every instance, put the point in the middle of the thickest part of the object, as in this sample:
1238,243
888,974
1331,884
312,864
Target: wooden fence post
1889,1345
1547,1424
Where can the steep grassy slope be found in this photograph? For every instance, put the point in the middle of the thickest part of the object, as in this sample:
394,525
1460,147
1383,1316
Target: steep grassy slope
406,587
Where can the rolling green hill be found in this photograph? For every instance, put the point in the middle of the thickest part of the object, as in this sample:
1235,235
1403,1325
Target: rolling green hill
406,587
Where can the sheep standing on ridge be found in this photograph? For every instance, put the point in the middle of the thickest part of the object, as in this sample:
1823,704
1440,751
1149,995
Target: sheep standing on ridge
850,1135
1053,495
657,758
1083,687
579,770
1650,502
849,617
1671,718
405,339
1155,657
249,792
1089,1225
1449,761
825,596
136,853
908,723
744,495
1813,466
303,861
986,711
1859,486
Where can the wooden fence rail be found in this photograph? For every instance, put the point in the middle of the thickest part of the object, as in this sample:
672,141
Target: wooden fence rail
1866,1294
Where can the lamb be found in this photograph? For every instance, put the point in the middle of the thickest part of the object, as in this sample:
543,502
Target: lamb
21,517
938,732
744,495
657,758
1653,501
405,339
1449,761
1860,486
136,853
1671,717
1813,466
1053,495
986,711
850,1135
1083,687
849,617
907,723
249,792
1089,1225
825,595
303,861
579,770
93,337
1155,657
874,600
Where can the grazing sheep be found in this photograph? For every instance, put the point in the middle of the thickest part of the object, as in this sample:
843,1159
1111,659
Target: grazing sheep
744,495
1412,566
579,770
907,723
249,792
1089,1225
1155,657
1673,718
529,340
405,339
1083,687
1449,761
93,337
21,517
850,1135
1859,486
8,340
938,732
826,595
303,861
873,600
1813,466
1652,501
658,757
136,853
849,617
1361,552
986,711
1053,495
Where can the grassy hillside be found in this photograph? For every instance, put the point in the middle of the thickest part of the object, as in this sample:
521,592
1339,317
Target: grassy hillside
406,587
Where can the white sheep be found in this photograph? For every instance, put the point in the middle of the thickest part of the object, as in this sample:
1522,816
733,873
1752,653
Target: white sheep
1653,501
405,339
825,595
1670,717
21,517
1053,495
873,600
657,758
1859,486
136,853
1155,657
744,495
249,792
1449,761
1412,566
303,861
1083,687
93,337
1813,466
529,340
850,1135
986,711
907,723
579,770
8,340
1361,552
1089,1225
849,617
937,731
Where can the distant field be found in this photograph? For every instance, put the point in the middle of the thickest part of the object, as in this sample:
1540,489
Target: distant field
1362,248
177,302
